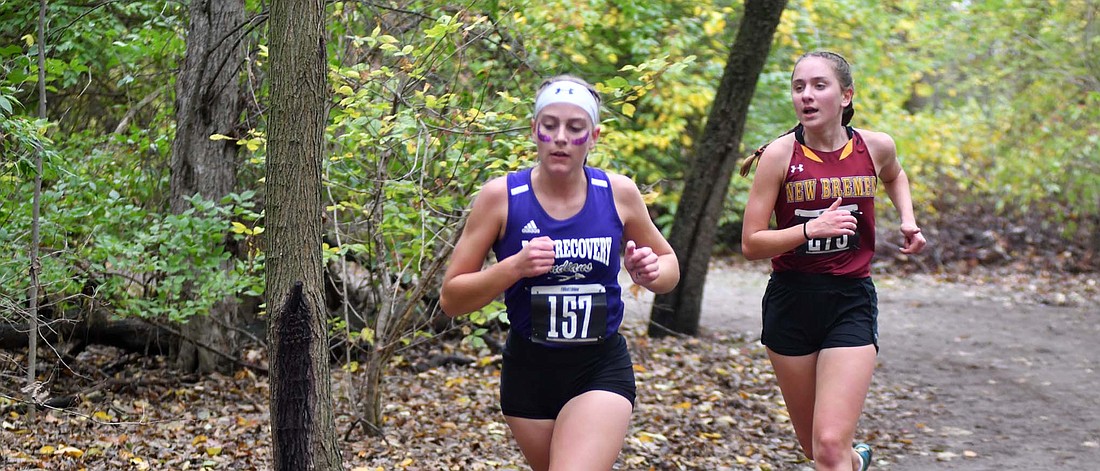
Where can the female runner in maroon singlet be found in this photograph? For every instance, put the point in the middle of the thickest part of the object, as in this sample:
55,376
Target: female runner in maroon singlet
820,308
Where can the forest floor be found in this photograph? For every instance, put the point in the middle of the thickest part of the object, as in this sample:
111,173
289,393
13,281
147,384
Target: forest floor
993,371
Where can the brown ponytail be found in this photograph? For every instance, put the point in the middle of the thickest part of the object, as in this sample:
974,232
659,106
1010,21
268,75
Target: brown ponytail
747,164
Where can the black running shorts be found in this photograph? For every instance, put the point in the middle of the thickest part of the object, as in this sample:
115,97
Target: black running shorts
805,312
536,380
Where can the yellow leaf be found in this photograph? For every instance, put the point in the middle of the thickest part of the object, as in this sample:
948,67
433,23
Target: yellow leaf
199,439
367,334
29,39
100,415
220,137
70,452
628,109
239,228
406,463
651,197
683,405
213,450
46,450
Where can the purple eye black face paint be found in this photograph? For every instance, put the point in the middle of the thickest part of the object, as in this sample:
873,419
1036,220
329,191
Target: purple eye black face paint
578,141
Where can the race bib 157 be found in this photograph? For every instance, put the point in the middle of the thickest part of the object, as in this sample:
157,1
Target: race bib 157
571,314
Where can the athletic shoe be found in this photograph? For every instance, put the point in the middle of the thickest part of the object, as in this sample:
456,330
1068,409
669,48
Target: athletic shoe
864,452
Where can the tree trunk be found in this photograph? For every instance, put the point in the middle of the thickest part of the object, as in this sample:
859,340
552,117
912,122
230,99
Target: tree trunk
372,392
719,150
303,432
32,337
208,102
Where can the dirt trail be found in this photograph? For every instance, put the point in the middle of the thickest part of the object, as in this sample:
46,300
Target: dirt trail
999,381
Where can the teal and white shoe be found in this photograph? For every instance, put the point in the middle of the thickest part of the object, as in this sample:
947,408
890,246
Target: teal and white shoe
864,452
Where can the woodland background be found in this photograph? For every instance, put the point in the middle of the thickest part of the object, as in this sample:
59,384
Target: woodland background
149,290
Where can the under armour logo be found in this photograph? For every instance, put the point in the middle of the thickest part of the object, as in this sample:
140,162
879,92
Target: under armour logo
796,168
558,91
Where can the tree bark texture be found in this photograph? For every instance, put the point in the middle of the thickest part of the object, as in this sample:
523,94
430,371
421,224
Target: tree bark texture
208,102
296,127
296,383
718,152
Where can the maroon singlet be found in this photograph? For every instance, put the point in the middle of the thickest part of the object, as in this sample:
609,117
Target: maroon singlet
813,182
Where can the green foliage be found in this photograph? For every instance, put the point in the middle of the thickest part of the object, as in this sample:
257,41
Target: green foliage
104,231
101,60
172,266
99,240
481,321
991,103
408,148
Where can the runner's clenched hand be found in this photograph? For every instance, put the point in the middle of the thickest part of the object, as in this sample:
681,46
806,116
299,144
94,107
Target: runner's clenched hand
641,263
536,258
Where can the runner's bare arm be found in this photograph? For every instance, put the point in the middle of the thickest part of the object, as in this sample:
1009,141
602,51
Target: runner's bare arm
648,257
468,287
758,241
896,183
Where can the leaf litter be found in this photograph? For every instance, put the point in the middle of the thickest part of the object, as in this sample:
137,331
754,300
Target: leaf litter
704,403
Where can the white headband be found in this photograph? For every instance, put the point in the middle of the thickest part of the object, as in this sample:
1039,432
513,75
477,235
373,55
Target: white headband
564,91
